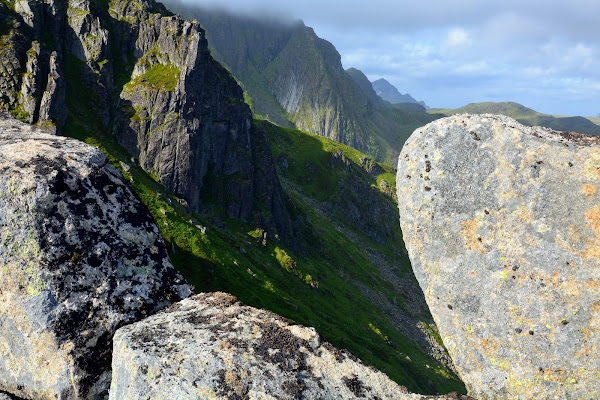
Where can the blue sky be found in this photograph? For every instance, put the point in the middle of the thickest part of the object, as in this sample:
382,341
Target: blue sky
542,54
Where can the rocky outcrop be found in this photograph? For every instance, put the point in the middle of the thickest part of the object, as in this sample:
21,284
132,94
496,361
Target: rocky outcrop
7,396
80,257
212,346
148,77
183,115
32,86
502,225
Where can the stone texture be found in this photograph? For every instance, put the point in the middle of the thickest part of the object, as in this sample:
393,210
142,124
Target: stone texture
211,346
79,257
502,224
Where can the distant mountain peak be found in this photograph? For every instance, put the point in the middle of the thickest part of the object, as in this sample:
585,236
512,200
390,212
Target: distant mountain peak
389,92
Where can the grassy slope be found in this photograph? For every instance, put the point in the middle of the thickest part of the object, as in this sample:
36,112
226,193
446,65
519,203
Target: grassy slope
595,120
313,288
527,116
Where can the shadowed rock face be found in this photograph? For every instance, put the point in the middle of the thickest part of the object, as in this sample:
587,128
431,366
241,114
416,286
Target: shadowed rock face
212,346
502,224
79,258
151,81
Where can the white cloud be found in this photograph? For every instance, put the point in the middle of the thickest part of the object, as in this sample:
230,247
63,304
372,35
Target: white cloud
457,37
536,52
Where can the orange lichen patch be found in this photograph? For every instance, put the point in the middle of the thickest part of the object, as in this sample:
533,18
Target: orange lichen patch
531,240
592,216
588,189
523,213
596,307
469,233
553,376
490,346
472,273
593,284
592,250
586,351
576,237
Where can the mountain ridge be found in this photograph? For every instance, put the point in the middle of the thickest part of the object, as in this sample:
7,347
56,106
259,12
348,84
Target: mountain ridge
296,79
390,93
526,116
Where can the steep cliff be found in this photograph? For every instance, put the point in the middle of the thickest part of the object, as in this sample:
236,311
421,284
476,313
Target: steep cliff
389,92
296,79
502,223
132,69
32,86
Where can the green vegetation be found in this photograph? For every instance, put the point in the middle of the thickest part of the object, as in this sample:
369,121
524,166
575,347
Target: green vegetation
595,120
318,280
311,154
158,77
21,115
527,116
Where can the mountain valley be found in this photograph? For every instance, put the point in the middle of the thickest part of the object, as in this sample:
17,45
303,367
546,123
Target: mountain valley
284,220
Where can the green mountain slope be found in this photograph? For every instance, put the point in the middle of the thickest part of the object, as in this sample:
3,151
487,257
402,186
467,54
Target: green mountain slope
595,120
526,116
345,275
296,79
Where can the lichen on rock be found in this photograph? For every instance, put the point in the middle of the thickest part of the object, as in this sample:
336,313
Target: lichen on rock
211,346
79,257
501,222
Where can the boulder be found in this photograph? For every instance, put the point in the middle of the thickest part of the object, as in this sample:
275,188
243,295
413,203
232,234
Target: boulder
502,225
79,257
8,396
212,346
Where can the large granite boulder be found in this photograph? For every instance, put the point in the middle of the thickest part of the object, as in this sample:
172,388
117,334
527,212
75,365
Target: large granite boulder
211,346
502,224
79,258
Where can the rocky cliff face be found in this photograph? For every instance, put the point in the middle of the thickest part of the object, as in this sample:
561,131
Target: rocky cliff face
31,82
79,256
296,79
501,224
148,77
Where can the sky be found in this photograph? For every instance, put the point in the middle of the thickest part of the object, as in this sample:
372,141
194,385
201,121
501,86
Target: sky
542,54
